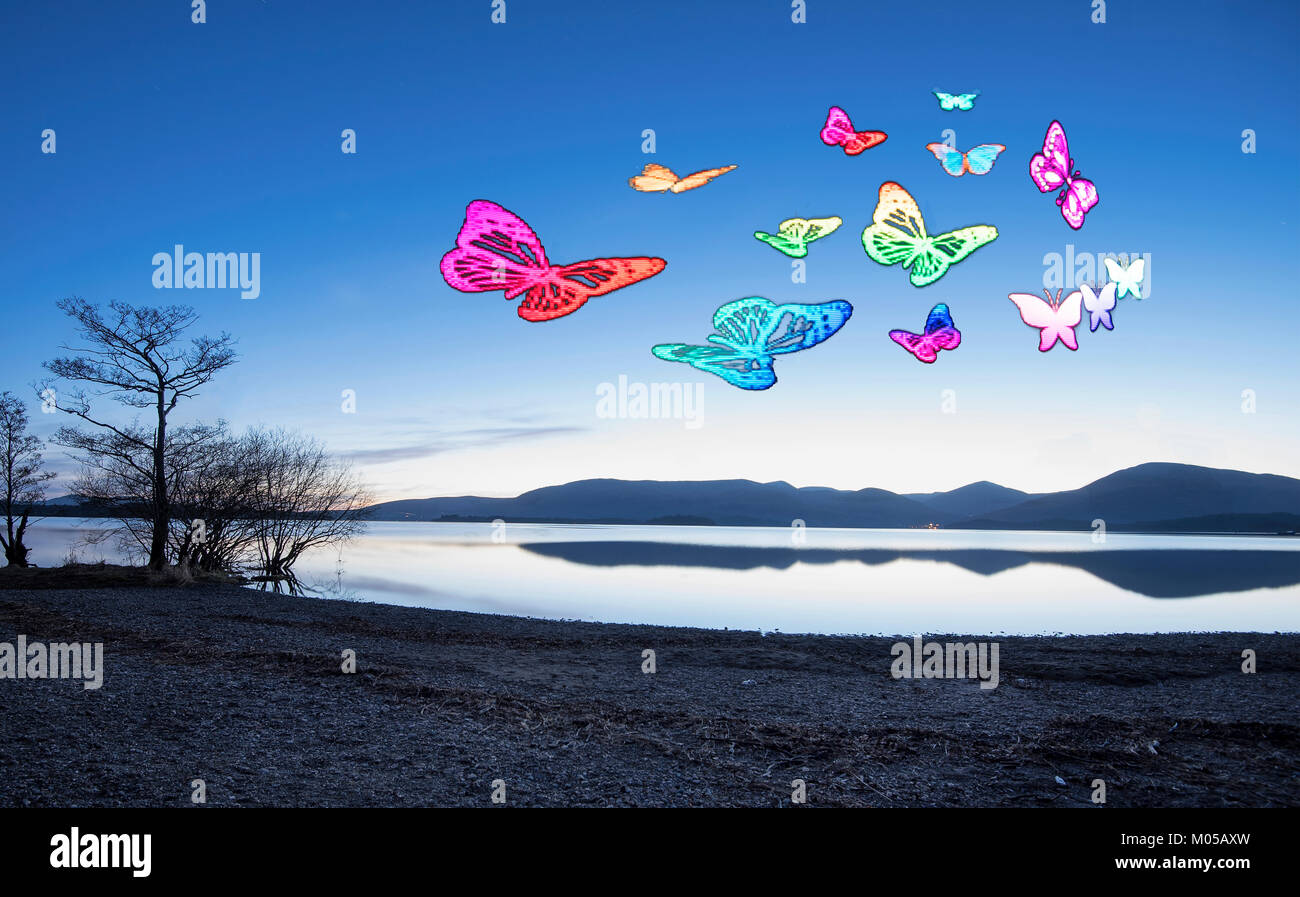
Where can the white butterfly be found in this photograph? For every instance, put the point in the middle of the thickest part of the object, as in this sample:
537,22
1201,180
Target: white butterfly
1099,306
1055,319
1128,278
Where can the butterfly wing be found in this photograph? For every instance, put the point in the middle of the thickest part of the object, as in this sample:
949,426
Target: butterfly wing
943,333
808,229
1068,315
495,250
947,101
838,126
1099,306
565,289
897,231
1051,168
741,369
918,344
700,178
796,326
862,140
952,160
980,159
792,245
1079,198
948,249
965,101
653,179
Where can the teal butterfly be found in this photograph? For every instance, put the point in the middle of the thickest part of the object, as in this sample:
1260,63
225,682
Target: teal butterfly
795,234
1128,278
751,332
963,101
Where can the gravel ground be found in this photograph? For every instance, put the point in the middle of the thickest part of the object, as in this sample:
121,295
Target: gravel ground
245,690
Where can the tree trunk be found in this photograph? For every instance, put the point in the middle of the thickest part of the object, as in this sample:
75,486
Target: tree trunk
15,551
161,511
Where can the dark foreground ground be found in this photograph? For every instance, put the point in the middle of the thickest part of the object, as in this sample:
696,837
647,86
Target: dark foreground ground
244,690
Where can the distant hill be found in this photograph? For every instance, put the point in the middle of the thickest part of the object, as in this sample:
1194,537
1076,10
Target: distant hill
62,501
967,501
1150,497
1156,497
1165,493
723,502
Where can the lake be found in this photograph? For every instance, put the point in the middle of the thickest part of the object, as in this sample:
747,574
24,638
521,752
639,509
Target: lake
815,580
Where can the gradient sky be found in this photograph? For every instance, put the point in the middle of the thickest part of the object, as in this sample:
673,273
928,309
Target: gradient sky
226,137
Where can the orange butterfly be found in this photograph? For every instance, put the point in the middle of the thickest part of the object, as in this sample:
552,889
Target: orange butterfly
656,179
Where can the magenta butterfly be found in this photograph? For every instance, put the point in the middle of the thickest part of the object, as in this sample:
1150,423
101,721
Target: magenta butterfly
1051,169
496,250
839,131
940,333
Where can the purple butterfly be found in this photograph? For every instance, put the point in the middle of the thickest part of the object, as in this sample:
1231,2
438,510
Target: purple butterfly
1051,169
940,333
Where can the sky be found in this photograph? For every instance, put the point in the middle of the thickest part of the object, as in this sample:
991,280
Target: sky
225,136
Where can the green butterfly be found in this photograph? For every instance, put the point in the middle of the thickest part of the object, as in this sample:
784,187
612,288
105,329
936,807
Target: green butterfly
897,234
795,234
963,101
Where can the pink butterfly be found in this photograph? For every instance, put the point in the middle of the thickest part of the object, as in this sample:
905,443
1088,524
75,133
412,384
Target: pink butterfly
838,131
940,333
1051,169
496,250
1055,319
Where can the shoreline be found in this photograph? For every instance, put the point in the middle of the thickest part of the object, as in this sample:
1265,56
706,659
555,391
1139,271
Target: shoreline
244,689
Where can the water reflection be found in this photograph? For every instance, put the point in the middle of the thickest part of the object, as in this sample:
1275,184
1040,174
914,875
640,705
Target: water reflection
838,580
1160,573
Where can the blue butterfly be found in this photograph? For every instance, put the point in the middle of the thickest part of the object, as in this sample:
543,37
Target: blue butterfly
977,160
752,331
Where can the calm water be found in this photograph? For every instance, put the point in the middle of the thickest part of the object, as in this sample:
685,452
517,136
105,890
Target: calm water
835,581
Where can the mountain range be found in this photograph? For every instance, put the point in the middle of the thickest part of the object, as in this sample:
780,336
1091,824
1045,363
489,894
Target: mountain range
1154,497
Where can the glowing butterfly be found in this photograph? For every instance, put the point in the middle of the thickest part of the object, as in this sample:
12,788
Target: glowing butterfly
795,234
1099,306
1051,169
1127,279
940,333
1055,319
976,160
657,179
496,250
897,234
838,131
752,332
963,101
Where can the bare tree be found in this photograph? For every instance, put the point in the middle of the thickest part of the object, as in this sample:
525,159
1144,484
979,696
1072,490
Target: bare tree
117,479
136,357
21,477
216,490
304,498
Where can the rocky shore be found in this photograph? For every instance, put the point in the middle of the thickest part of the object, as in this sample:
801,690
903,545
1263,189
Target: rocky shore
247,692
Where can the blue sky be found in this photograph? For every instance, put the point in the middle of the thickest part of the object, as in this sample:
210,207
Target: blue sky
225,136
